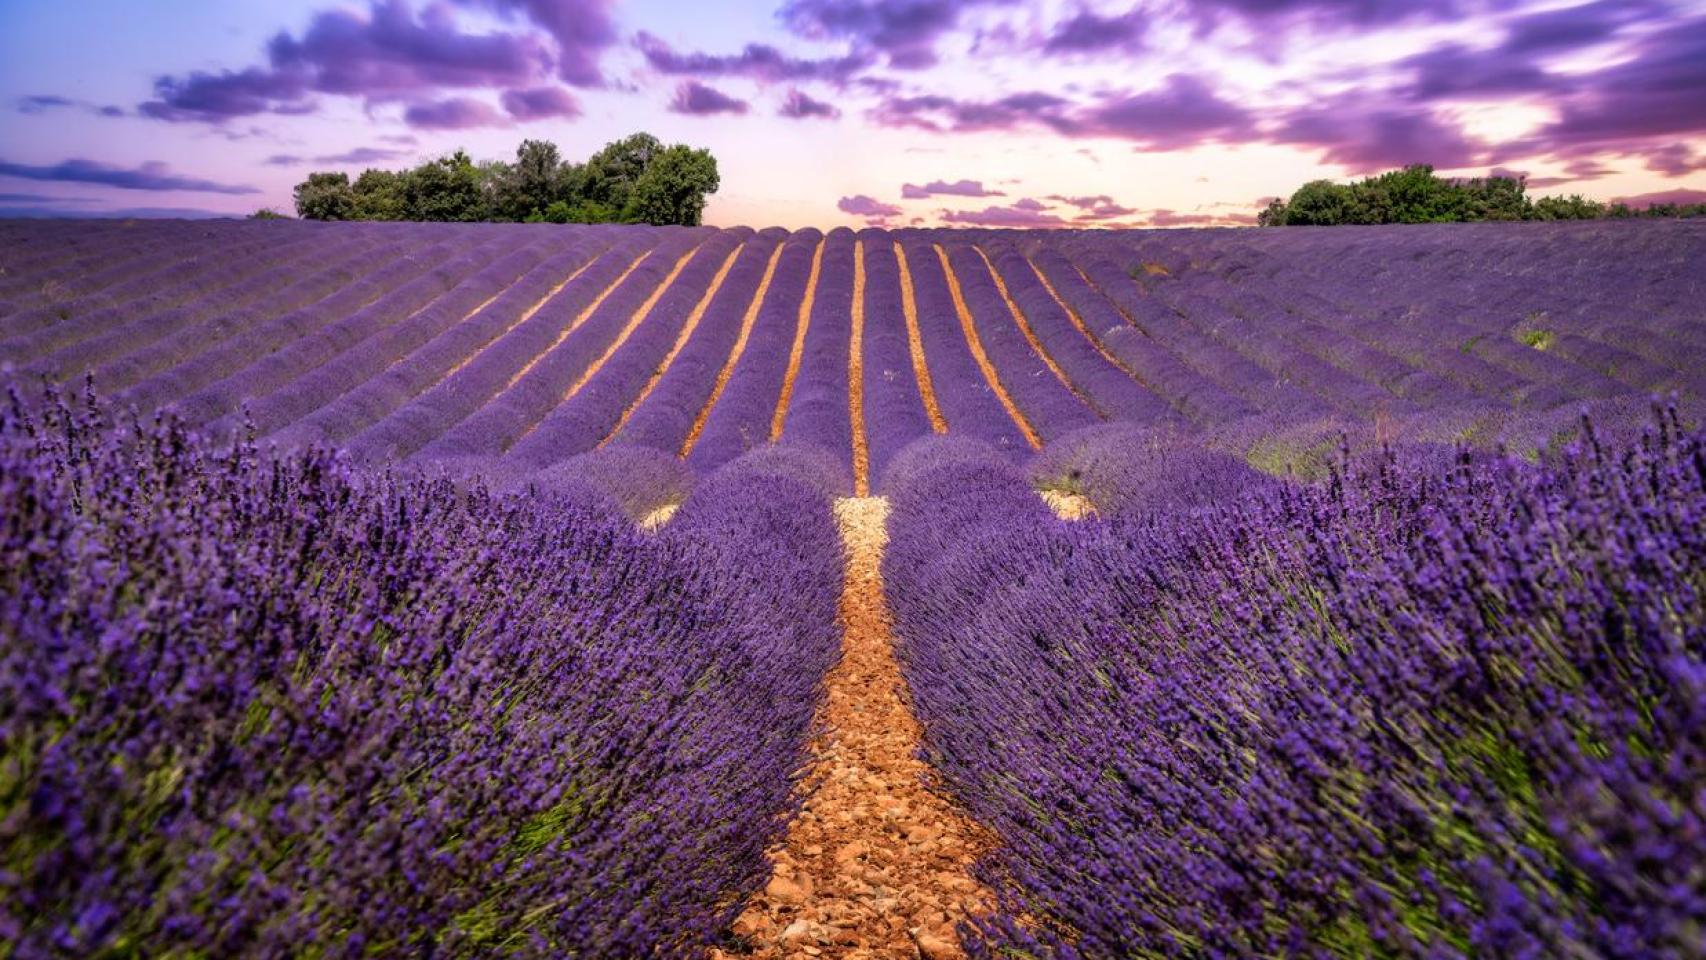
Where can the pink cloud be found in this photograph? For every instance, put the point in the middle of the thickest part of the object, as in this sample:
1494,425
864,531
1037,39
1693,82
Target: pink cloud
693,97
1010,216
942,188
386,53
861,205
757,60
799,106
456,113
540,103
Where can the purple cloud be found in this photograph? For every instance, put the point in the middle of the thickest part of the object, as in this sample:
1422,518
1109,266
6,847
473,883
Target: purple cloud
860,205
799,106
904,31
1104,211
1574,27
1089,32
385,54
1012,216
1362,130
1575,171
1675,160
150,176
1588,169
391,53
1082,203
1183,112
540,103
1455,72
1029,203
942,188
217,97
1170,218
756,60
1658,92
1513,66
456,113
360,155
1366,139
42,103
697,99
1330,12
583,30
938,113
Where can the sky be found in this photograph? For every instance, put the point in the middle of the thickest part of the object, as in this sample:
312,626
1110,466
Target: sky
854,112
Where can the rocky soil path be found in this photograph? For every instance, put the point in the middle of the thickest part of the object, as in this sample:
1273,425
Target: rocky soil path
877,865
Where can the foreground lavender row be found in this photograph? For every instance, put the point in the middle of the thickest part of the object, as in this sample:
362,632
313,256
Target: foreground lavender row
515,347
256,706
1440,704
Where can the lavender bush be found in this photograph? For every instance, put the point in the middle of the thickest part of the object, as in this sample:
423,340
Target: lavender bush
544,380
1112,391
423,394
484,303
257,705
1419,708
817,412
1125,470
742,417
663,419
581,422
968,403
383,338
893,401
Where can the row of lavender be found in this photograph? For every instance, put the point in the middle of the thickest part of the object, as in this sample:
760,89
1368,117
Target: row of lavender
253,704
1438,704
514,347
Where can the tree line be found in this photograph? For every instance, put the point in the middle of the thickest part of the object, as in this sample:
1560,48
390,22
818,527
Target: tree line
1416,195
633,180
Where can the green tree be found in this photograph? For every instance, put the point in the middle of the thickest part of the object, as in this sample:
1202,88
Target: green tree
636,179
1415,194
524,189
1572,207
1498,198
381,195
446,189
1274,214
1410,195
325,196
608,176
1320,203
673,187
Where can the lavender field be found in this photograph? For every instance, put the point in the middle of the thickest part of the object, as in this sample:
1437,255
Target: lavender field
465,590
515,348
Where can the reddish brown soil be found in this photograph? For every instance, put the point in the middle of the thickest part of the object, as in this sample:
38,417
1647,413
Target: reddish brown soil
877,863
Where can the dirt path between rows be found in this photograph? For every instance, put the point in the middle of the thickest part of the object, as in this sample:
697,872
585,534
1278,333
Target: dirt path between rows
877,865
